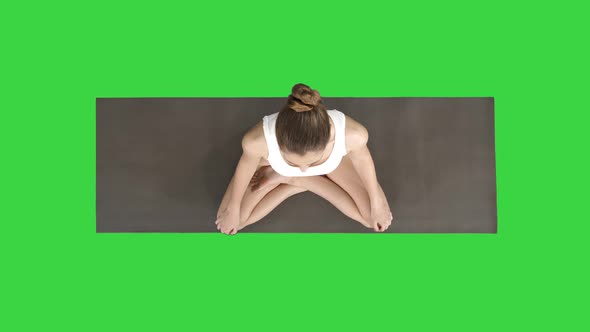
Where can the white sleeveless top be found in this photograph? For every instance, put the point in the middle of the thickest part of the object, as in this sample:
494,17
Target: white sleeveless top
276,161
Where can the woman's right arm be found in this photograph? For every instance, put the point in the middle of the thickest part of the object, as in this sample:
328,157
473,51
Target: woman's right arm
246,167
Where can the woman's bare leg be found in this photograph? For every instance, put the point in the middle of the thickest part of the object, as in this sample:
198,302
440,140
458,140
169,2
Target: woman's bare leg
318,184
247,198
227,195
256,205
329,190
270,201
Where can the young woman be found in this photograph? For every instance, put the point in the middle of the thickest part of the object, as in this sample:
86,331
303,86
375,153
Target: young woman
304,147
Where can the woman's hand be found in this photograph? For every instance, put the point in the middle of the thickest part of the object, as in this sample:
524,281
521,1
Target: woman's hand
381,215
228,220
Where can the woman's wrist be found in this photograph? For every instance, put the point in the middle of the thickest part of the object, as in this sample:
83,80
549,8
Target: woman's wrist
378,198
377,201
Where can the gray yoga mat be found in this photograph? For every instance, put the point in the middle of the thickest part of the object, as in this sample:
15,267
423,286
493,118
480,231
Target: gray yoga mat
163,164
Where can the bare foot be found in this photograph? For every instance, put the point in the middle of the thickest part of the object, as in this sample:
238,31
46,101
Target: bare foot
266,176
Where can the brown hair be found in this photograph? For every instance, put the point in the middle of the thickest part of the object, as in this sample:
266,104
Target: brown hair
303,124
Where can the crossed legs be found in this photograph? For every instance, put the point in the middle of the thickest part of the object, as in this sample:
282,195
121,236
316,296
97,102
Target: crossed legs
255,205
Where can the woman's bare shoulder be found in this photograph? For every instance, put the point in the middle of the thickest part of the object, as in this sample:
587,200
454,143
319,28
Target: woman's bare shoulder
356,134
255,142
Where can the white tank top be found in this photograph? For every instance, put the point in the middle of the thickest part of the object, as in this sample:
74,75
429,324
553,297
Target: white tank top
276,161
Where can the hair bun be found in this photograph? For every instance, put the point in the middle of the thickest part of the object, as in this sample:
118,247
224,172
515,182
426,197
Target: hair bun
303,98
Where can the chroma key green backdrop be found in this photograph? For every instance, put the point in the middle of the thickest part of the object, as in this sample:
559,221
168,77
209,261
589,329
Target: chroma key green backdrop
58,274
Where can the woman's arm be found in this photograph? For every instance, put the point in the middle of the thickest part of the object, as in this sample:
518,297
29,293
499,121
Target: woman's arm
363,163
246,167
381,215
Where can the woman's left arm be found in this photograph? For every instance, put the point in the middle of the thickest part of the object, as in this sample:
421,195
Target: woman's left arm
363,163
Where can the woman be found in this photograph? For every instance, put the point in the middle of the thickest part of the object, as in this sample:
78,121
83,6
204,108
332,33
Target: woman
304,147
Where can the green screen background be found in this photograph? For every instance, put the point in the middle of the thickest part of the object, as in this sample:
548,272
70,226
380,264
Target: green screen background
58,274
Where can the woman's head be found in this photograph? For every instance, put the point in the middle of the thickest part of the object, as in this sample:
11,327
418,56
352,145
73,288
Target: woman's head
303,127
